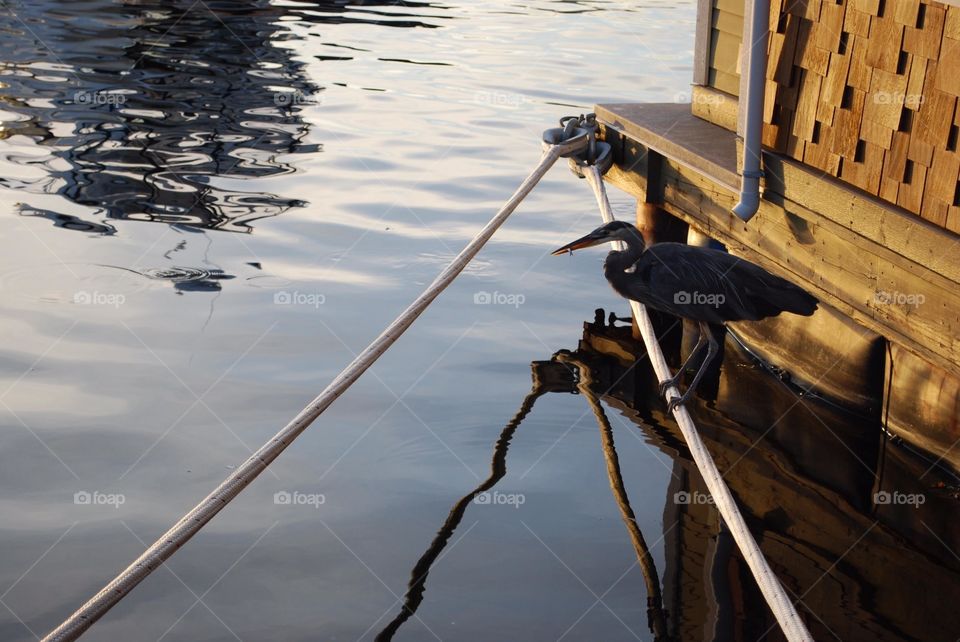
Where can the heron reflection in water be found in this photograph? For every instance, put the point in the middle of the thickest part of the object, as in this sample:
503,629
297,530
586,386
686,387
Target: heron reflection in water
696,283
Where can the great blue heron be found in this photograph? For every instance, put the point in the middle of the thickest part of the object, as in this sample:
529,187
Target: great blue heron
696,283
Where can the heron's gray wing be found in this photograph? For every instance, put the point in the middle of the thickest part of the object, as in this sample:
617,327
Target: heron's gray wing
710,285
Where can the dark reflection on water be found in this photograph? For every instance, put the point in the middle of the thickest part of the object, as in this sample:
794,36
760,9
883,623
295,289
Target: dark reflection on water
154,109
69,221
333,12
498,469
184,279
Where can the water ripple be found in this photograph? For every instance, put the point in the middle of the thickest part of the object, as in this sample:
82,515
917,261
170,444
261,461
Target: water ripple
160,98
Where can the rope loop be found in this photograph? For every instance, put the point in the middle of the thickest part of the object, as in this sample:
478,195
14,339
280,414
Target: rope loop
574,138
597,153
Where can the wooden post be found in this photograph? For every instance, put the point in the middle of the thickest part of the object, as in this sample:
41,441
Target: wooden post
697,238
659,226
701,47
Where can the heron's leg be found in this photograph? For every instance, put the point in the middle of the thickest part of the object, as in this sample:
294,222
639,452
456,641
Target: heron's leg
712,349
675,379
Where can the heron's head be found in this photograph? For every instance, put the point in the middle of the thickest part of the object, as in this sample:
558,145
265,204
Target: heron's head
608,233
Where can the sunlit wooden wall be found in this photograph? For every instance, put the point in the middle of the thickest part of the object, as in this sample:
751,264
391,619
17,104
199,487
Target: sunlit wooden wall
866,90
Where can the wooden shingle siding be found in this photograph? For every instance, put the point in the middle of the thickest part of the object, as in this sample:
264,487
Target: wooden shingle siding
726,33
867,91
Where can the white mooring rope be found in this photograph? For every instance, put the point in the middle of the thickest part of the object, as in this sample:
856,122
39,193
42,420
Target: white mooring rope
776,596
151,559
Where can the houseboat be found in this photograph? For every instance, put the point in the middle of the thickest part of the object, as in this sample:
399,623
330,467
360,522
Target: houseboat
821,141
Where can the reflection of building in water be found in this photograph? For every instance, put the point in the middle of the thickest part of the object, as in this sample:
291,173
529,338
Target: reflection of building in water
811,479
153,110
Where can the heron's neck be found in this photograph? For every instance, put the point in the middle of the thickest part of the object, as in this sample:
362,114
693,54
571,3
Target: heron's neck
619,261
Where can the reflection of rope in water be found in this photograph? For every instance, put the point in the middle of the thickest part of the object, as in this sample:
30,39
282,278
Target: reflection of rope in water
656,618
498,468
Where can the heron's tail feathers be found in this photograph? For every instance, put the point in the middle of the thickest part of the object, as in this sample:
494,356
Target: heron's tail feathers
782,296
797,301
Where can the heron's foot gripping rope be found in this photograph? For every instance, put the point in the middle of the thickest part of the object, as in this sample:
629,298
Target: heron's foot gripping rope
674,403
669,383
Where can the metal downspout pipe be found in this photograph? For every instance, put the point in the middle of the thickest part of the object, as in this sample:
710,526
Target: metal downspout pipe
751,107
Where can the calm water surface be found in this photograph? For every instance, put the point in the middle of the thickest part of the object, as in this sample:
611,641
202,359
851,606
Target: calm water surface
211,207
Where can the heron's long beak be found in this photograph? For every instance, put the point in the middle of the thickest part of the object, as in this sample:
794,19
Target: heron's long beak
585,241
